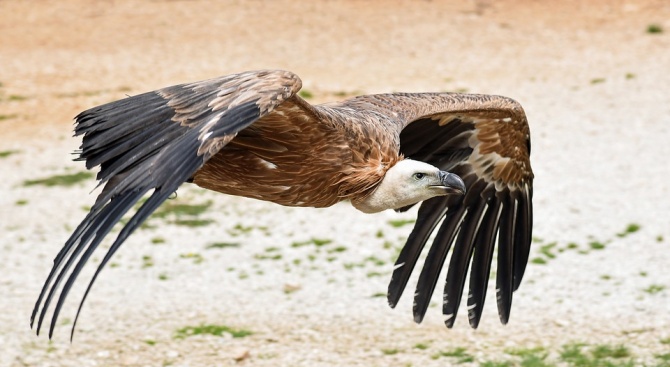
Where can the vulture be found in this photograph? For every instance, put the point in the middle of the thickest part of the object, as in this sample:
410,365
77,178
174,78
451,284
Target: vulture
464,157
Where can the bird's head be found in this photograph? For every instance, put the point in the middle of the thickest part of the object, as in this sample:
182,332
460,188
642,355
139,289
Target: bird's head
407,183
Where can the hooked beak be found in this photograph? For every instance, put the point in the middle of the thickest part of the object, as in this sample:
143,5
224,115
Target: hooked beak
452,183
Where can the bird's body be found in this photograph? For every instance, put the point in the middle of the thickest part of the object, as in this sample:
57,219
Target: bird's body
301,156
251,135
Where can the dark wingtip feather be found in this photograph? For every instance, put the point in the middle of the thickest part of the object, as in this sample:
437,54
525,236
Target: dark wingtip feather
481,263
504,279
435,261
429,214
523,235
460,260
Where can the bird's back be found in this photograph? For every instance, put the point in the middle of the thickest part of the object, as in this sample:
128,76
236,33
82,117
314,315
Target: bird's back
301,155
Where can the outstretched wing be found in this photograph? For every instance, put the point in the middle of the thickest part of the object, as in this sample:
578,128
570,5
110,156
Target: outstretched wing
154,141
486,141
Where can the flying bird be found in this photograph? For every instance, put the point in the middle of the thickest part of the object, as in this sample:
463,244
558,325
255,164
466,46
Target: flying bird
465,157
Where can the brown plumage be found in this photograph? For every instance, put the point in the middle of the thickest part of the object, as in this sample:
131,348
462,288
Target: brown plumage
250,134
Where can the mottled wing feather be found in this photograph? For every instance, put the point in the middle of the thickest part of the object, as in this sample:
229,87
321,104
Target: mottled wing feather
486,141
154,141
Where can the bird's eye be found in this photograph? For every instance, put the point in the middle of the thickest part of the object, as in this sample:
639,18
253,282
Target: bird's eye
418,176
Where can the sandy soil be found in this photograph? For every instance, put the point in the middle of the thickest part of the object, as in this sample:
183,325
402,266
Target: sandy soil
594,83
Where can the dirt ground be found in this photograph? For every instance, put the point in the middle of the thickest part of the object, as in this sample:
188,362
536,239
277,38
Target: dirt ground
593,79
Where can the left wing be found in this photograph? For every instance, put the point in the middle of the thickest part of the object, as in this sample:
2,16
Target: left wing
486,141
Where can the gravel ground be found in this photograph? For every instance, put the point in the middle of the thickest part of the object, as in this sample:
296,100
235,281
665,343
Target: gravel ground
306,282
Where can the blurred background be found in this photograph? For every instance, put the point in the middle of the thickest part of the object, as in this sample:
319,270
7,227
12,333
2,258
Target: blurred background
217,281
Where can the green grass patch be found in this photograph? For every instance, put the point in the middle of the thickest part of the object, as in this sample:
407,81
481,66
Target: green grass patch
400,222
596,245
390,352
306,94
337,249
654,288
239,229
546,250
654,29
21,202
16,98
180,209
459,354
572,246
631,228
222,245
60,180
7,117
580,355
607,351
215,330
665,358
196,257
421,346
7,153
268,256
193,222
539,261
158,240
318,242
530,357
597,80
496,364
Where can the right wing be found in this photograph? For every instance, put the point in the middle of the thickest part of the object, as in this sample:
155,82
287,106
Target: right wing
155,140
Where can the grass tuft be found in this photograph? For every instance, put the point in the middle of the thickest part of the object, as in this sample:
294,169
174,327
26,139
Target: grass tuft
60,180
459,354
306,94
7,153
654,288
197,258
222,245
539,261
654,29
16,98
180,209
420,346
596,245
216,330
631,228
7,117
401,222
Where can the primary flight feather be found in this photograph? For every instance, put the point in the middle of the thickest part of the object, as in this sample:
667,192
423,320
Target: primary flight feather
464,156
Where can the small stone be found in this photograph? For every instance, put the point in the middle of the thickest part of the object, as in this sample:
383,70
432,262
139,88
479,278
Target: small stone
291,287
172,354
242,355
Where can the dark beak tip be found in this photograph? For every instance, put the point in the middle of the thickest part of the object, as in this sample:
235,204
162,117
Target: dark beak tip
453,182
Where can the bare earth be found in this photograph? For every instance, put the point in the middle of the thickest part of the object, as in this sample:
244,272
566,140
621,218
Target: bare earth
595,85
